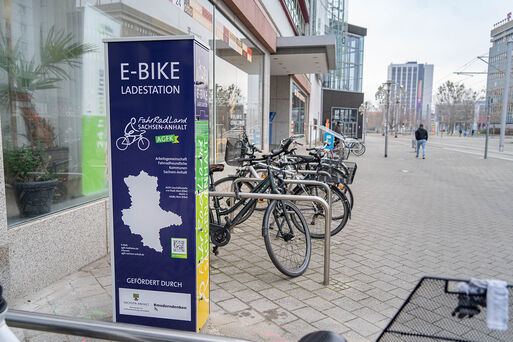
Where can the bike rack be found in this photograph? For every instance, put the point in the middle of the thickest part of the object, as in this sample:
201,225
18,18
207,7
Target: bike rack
321,201
105,330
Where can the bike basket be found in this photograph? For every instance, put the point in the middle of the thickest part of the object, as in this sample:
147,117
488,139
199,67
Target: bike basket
427,315
234,150
342,153
351,171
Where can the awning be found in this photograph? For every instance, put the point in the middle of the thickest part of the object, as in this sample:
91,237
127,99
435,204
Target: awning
304,55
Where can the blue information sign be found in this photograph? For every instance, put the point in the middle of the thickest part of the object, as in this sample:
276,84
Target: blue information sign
158,125
330,139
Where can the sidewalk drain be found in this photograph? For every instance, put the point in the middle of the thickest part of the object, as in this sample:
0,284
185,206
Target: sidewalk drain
337,285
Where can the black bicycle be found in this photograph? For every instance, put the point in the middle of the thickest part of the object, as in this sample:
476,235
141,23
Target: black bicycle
284,228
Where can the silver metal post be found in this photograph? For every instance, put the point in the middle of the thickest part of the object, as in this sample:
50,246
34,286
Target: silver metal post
104,330
310,136
490,101
505,97
386,119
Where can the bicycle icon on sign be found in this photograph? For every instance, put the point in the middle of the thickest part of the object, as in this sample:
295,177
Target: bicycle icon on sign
132,135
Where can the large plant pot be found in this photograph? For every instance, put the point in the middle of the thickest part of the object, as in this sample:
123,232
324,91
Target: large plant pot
35,198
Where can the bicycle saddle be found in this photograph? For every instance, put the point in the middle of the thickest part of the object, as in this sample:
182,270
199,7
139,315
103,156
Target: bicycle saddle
307,159
216,168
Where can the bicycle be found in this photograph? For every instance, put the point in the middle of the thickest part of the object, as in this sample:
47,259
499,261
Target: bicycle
352,145
123,142
284,228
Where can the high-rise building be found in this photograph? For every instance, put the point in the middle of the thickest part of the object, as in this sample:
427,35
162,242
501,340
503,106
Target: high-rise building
342,87
500,34
416,100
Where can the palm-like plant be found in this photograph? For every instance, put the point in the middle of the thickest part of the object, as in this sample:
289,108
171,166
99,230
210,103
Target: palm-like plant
57,53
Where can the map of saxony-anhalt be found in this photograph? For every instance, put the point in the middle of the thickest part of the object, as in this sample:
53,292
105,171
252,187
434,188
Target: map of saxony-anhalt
145,217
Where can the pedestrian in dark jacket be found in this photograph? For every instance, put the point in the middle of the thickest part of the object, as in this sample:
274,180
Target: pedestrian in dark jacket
421,135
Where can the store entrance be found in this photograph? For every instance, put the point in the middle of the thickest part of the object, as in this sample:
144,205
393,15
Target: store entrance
349,119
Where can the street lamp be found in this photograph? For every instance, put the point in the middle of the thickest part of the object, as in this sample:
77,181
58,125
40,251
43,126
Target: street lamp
398,101
363,110
389,85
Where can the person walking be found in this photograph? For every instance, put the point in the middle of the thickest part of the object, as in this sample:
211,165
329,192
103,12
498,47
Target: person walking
421,135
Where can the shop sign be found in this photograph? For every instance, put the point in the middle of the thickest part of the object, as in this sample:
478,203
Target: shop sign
158,146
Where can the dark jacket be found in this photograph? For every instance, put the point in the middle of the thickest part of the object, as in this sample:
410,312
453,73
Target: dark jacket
421,134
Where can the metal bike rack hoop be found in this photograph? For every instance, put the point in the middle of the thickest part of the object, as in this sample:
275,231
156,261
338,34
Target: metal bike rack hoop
321,201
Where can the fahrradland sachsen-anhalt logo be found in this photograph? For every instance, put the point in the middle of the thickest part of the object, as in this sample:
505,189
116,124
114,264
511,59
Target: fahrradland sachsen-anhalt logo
137,127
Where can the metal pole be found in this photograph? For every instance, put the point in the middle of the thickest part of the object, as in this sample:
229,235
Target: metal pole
505,97
387,116
310,136
104,330
487,135
364,125
395,119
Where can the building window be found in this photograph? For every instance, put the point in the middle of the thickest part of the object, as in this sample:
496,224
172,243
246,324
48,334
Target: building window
299,101
55,115
238,86
296,15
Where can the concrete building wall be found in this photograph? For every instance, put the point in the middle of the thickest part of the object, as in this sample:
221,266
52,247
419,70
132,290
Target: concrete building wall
45,250
4,242
281,103
279,18
315,105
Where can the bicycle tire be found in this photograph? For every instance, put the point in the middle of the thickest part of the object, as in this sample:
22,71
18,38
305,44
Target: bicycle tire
359,149
224,185
278,242
314,213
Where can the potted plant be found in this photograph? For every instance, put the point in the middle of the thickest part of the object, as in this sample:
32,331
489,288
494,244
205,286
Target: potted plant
58,54
27,170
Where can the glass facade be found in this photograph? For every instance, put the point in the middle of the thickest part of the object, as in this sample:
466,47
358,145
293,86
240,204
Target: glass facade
296,15
299,104
238,79
496,73
353,63
336,20
52,88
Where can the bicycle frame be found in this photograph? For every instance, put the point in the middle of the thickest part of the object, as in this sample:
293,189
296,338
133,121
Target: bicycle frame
261,187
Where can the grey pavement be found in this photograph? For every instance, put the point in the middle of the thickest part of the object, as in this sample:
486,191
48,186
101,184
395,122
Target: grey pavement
447,215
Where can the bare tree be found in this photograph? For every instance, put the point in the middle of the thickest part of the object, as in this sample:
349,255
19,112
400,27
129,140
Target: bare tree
457,105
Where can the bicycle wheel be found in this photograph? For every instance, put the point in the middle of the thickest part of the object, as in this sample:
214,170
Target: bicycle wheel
358,149
225,203
122,143
315,214
143,144
287,238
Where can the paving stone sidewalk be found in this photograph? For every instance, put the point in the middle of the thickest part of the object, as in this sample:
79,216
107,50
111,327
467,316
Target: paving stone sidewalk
447,215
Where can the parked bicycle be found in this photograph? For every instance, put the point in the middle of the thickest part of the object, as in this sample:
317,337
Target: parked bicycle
284,228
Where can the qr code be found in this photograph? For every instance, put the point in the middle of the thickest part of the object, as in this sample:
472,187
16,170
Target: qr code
179,246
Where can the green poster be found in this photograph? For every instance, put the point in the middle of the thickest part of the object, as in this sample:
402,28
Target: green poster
94,147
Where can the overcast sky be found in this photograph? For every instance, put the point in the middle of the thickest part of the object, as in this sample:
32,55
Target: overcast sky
446,33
